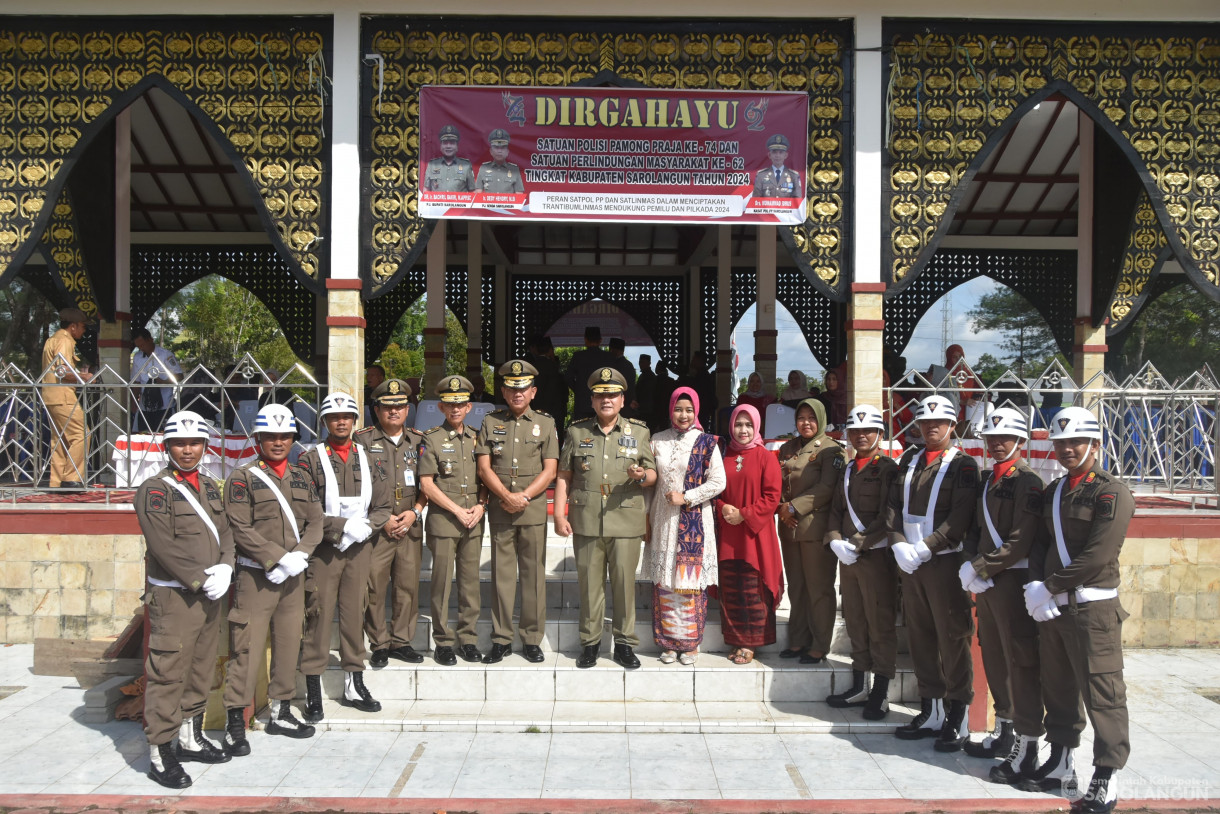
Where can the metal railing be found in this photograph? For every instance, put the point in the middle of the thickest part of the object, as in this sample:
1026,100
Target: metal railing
1157,433
122,418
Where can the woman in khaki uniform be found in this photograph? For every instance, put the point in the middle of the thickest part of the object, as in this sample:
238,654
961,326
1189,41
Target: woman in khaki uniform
812,464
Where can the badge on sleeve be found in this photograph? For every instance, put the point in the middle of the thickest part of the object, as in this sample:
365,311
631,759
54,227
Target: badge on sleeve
839,462
154,501
1105,506
968,477
238,493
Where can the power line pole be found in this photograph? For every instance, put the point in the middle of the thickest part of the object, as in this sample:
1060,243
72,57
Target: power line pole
946,322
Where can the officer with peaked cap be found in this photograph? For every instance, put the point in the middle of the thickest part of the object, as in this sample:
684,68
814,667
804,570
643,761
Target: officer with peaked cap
189,567
605,465
277,523
356,498
61,364
449,173
394,450
776,180
930,510
1073,595
517,456
449,477
499,174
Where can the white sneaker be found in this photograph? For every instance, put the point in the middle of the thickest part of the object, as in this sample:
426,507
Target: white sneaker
668,657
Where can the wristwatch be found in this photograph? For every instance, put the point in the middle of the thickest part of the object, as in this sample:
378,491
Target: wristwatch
791,508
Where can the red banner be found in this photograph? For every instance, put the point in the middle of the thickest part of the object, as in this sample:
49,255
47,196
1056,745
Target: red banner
613,154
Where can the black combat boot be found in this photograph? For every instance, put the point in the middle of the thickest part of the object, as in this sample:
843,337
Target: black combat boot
854,696
235,742
927,724
878,700
164,767
194,746
956,730
1021,763
313,699
357,696
283,722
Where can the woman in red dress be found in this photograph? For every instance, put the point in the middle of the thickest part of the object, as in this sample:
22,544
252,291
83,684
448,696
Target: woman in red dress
751,572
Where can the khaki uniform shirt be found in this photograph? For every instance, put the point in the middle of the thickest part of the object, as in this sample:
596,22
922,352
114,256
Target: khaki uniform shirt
347,477
448,456
455,176
1015,504
811,470
1095,516
788,185
504,177
260,529
61,360
179,544
954,509
518,446
604,501
399,464
869,491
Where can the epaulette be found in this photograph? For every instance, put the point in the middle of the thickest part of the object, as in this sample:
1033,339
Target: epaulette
643,424
420,433
486,163
365,429
544,413
585,421
440,427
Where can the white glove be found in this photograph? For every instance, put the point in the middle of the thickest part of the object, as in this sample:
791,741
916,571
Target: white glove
967,575
220,577
844,551
906,556
355,530
277,575
923,551
1036,595
980,585
1046,613
294,562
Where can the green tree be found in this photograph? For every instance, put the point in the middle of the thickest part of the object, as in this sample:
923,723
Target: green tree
403,357
988,368
1178,332
1028,345
221,321
27,318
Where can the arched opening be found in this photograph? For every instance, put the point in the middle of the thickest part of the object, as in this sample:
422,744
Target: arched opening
403,354
790,346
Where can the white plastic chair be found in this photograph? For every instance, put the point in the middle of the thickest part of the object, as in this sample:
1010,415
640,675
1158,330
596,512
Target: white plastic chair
428,415
474,419
780,420
243,418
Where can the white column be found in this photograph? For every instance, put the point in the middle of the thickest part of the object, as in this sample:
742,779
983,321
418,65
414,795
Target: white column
868,100
474,298
434,333
114,338
725,381
1089,348
764,328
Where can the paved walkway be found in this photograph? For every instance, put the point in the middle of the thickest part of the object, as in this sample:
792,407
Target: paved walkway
46,750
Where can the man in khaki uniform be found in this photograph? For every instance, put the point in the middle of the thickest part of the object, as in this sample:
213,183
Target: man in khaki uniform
777,181
449,477
1006,521
355,504
394,449
189,566
517,455
499,174
1074,596
449,173
277,523
857,534
62,363
605,465
930,510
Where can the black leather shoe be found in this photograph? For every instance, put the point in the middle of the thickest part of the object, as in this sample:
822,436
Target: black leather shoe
77,485
791,653
470,653
533,654
497,653
408,654
624,656
380,658
588,656
808,659
444,656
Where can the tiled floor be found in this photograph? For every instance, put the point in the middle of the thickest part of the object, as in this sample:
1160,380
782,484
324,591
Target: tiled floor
1175,737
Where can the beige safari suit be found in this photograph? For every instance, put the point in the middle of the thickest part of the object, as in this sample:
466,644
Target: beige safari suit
263,537
394,564
787,185
449,176
448,456
517,447
340,578
504,177
69,447
608,516
184,625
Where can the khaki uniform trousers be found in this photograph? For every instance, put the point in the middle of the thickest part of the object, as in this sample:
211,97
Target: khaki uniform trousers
939,627
595,556
260,606
462,553
1008,637
394,566
184,631
1082,670
68,446
810,568
870,607
518,549
336,579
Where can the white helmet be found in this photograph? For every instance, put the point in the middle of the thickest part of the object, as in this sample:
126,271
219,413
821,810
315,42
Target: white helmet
865,417
936,408
275,418
1006,421
337,403
1074,422
187,424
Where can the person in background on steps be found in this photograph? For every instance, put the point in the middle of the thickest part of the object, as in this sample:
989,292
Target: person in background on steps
1073,595
189,567
856,532
356,504
928,514
1006,521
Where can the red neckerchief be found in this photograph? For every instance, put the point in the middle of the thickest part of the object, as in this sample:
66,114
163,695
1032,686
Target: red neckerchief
278,468
1074,480
342,451
1001,469
191,477
929,457
863,462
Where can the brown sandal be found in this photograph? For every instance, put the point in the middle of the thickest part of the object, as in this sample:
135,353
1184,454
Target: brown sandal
742,655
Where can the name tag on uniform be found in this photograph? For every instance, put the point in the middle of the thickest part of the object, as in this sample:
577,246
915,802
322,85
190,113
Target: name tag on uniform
408,477
499,430
587,443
